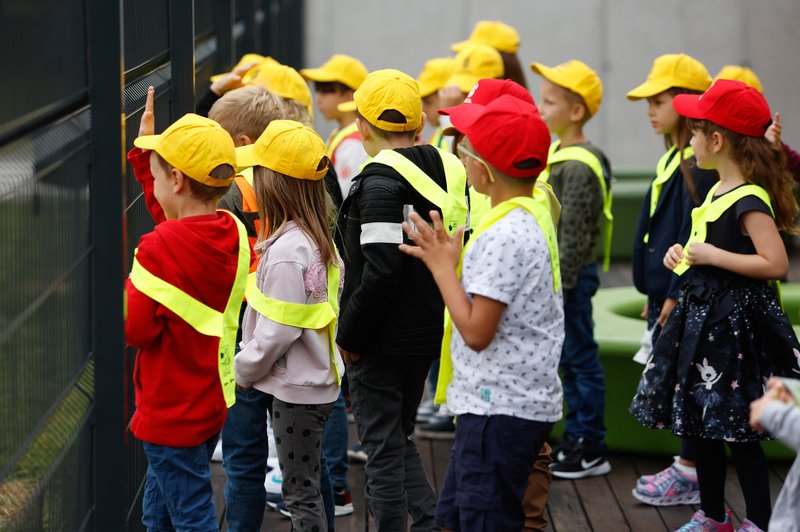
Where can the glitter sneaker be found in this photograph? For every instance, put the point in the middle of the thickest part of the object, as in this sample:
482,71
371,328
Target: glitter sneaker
701,523
669,488
748,526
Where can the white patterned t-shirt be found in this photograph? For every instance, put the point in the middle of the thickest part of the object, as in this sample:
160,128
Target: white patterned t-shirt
517,374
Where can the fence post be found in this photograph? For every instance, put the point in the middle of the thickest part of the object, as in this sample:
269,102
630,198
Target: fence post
108,269
224,18
181,44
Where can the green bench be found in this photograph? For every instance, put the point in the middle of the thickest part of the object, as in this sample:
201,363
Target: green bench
618,331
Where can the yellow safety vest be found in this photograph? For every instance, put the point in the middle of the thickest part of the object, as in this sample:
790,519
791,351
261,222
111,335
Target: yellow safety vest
314,316
667,165
338,136
480,204
544,219
581,154
202,318
452,202
711,210
438,140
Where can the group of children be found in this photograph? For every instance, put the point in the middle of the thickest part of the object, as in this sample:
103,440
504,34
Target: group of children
374,256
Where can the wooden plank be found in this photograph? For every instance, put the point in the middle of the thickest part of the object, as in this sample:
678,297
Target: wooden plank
622,480
566,512
599,503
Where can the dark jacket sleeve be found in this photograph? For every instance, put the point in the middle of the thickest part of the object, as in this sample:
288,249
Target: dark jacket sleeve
206,102
378,201
792,161
639,247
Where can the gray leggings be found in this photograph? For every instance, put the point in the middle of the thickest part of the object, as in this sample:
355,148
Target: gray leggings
298,437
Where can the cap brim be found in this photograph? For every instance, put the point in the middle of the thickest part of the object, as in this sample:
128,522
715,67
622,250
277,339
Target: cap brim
450,131
346,107
458,46
147,142
464,115
318,74
687,105
246,156
646,90
426,90
464,81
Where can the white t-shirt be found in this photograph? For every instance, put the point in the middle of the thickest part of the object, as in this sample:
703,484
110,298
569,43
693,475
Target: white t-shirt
347,161
517,374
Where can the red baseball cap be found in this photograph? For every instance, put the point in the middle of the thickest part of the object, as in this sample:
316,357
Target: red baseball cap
507,132
488,89
728,103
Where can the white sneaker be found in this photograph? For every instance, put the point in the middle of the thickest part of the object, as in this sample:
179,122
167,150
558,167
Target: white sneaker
274,481
216,456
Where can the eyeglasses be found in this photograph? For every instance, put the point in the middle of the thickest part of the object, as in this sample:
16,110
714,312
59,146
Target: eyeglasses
462,151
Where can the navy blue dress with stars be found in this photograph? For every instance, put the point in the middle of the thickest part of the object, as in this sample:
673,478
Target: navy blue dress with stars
723,340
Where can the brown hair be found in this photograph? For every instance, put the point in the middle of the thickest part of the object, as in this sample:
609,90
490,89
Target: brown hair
305,202
199,190
297,111
247,111
512,69
395,117
763,164
682,135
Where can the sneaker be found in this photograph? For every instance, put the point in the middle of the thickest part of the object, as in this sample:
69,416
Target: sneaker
561,450
701,523
357,453
581,463
273,481
274,499
216,456
283,509
649,479
440,427
426,410
748,526
343,501
670,487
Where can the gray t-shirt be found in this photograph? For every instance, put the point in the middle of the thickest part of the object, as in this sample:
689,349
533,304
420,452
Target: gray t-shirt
517,374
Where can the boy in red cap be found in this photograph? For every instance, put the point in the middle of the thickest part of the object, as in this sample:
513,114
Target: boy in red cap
508,316
183,297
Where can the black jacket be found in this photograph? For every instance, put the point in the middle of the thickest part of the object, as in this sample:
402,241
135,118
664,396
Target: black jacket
671,224
390,304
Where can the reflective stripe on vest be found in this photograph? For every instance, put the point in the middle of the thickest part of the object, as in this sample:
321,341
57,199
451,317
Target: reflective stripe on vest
452,201
667,165
201,317
544,218
314,316
711,210
438,140
583,155
338,136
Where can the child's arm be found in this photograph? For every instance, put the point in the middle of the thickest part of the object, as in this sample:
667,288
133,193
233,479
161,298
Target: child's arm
140,160
476,320
769,262
776,411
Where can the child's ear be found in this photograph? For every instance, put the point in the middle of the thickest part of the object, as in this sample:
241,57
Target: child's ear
363,129
243,140
178,180
578,112
424,118
716,142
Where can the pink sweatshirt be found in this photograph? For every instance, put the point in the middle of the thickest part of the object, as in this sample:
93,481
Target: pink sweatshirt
287,362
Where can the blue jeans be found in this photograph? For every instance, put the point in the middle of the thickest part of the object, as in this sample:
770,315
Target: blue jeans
582,374
334,444
177,491
244,450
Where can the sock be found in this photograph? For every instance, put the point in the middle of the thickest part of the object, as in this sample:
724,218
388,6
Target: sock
686,470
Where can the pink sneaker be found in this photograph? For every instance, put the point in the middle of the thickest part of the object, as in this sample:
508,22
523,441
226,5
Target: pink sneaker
701,523
668,488
748,526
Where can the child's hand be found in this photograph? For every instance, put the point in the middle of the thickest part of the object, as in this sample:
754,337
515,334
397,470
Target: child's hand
666,310
700,253
147,123
439,251
231,80
773,133
757,408
673,257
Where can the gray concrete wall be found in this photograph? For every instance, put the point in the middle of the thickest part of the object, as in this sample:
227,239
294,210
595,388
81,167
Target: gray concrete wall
618,38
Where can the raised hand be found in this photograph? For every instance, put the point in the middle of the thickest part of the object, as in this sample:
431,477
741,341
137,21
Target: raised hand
231,80
773,133
439,251
147,123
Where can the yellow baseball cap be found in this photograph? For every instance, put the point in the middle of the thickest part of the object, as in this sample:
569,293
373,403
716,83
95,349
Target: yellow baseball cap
741,73
435,74
195,145
673,70
339,67
494,33
347,107
282,80
389,89
289,148
246,58
576,76
474,62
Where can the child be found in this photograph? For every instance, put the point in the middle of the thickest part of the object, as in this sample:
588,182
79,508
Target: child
391,322
777,412
334,83
287,358
727,333
665,218
581,178
193,264
502,38
508,317
432,78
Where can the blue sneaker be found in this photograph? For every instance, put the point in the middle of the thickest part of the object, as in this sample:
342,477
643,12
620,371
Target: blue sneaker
701,523
274,499
283,509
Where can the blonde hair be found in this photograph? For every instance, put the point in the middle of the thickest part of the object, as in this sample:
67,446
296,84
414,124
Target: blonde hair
247,111
298,112
305,202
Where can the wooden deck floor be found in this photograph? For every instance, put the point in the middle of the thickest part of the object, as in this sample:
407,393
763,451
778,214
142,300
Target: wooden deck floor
592,504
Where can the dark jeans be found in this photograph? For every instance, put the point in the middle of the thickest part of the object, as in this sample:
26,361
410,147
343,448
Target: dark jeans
488,473
334,444
582,374
244,450
177,491
386,392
